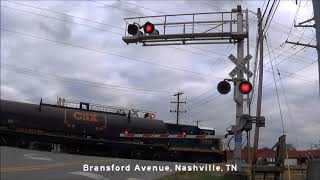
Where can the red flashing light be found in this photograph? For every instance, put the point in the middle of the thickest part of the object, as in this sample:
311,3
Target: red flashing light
245,87
126,132
148,27
184,134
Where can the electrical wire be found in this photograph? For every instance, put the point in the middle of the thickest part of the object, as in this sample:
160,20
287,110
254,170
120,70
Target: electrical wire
42,74
207,100
275,83
285,59
293,73
198,96
294,20
105,52
286,101
56,12
265,10
105,30
60,13
265,29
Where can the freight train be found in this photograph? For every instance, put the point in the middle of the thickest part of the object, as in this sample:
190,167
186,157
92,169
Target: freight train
84,130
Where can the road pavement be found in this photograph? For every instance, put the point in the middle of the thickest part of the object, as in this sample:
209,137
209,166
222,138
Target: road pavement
28,164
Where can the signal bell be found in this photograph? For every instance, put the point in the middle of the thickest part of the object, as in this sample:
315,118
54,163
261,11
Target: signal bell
224,87
245,87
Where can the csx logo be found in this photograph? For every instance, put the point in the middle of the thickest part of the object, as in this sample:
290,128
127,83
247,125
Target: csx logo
85,116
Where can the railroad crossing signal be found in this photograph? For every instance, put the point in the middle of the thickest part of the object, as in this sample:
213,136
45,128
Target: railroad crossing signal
227,27
240,65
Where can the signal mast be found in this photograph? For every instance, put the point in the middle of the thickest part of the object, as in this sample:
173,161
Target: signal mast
195,28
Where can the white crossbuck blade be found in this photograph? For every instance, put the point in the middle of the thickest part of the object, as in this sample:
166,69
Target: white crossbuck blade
240,65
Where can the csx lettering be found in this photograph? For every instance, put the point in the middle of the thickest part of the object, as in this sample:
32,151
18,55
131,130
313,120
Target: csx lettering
85,116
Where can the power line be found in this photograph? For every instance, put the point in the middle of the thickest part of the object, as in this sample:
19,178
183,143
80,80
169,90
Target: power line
77,81
204,101
275,83
225,53
285,98
294,20
56,12
60,13
265,10
210,69
285,59
105,52
266,27
268,84
160,12
195,98
105,30
107,5
273,27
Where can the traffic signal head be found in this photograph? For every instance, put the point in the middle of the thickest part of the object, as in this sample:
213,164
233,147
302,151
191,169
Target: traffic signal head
148,27
245,87
224,87
133,29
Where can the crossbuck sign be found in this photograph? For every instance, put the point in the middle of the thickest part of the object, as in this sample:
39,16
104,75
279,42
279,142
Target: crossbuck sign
240,65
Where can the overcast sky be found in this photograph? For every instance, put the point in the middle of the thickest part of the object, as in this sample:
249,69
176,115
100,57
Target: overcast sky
73,49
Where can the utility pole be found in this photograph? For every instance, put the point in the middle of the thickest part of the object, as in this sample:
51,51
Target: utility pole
178,102
316,18
238,95
197,121
258,111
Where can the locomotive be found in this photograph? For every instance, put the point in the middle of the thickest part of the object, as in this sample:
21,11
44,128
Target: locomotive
84,130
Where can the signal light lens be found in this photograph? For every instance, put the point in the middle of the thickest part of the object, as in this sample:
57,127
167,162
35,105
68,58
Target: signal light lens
183,133
148,27
224,87
245,87
133,29
152,116
126,132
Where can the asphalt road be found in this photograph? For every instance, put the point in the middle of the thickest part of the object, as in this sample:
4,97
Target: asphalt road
38,165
